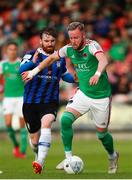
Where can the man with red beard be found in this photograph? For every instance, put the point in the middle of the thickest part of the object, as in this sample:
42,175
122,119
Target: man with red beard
41,96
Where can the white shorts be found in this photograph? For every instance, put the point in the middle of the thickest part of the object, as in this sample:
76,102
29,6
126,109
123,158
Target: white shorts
13,106
99,108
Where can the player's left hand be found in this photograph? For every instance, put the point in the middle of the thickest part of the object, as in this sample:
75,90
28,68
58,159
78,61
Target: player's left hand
94,80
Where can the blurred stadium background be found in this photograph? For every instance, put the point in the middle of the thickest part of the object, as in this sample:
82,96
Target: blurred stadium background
109,22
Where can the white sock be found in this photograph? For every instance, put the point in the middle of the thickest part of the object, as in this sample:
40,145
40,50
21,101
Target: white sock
112,156
68,154
44,144
34,148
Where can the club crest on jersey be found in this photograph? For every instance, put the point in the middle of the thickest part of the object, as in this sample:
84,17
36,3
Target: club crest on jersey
85,55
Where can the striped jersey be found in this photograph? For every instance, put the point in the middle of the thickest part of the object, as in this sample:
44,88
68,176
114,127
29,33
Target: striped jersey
44,87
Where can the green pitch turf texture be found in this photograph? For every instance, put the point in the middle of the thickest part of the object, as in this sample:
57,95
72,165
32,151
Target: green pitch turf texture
91,151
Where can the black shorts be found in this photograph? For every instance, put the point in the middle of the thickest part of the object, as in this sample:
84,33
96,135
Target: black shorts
34,112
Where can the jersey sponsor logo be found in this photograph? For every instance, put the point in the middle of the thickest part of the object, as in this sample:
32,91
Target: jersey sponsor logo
81,67
48,77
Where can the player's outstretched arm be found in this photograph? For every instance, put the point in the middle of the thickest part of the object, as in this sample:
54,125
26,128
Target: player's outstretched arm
45,63
103,62
48,61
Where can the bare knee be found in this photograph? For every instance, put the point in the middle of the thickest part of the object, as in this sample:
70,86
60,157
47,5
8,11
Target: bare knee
8,120
47,121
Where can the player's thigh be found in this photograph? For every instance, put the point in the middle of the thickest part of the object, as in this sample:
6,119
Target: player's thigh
100,110
18,107
8,120
31,118
46,109
79,102
8,106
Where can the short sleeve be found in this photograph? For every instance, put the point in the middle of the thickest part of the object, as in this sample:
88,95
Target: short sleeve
95,48
62,52
26,58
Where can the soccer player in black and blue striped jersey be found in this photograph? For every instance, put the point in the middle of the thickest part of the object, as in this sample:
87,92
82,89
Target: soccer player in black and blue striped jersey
41,96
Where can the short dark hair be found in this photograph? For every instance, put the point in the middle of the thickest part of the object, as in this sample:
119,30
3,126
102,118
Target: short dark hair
49,31
75,25
11,43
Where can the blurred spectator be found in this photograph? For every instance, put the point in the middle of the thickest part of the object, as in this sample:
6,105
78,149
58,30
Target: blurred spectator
113,77
102,25
61,40
123,85
118,50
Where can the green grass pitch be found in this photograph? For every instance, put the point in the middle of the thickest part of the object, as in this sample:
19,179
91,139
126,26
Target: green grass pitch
91,151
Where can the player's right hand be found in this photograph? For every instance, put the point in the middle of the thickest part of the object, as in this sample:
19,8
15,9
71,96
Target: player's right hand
94,80
26,76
